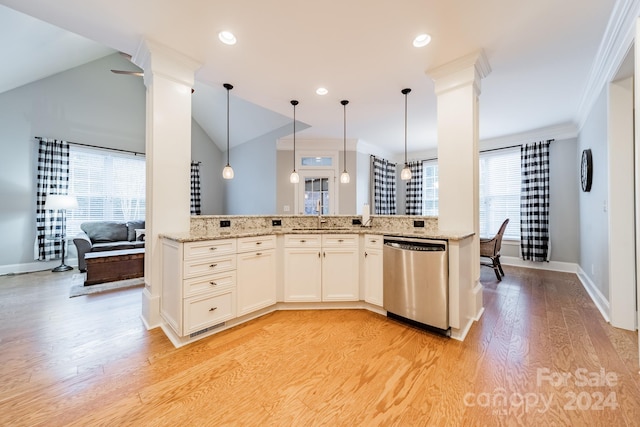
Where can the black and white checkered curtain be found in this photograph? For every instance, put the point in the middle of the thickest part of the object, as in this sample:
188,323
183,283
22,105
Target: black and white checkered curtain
195,188
414,189
53,178
384,186
534,201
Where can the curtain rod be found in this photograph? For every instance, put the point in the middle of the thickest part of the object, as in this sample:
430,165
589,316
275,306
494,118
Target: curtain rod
510,146
135,153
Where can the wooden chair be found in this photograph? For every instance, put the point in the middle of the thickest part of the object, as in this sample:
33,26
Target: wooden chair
490,248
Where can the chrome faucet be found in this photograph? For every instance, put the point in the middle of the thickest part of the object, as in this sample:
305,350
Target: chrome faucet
319,210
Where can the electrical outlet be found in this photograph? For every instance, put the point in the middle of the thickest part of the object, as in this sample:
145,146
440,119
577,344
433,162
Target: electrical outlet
225,223
276,222
418,223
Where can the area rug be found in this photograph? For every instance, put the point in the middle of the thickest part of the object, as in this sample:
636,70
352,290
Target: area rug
78,288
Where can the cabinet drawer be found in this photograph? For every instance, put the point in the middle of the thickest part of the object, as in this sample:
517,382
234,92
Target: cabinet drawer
372,241
302,240
340,240
209,266
249,244
195,250
202,312
212,283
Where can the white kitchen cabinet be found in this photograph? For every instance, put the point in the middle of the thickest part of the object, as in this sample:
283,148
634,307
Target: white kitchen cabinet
198,284
256,273
302,268
373,291
321,268
340,267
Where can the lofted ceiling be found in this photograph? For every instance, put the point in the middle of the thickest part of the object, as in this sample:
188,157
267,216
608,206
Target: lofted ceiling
541,54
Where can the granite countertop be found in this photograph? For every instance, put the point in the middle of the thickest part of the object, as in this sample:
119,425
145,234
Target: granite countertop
425,234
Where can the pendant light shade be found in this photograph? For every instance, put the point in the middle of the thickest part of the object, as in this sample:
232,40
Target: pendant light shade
227,172
294,178
344,177
406,171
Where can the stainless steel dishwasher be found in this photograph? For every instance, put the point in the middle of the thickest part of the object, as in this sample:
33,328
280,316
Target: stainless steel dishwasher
416,281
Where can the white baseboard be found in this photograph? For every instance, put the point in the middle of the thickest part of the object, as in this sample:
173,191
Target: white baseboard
35,266
596,296
565,267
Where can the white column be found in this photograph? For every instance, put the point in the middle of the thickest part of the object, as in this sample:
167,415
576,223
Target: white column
457,86
169,77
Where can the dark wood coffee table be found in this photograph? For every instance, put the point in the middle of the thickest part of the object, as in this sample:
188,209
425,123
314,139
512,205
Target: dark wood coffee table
111,266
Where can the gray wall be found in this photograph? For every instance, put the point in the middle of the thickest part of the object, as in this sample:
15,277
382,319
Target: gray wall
212,160
594,229
253,188
564,187
87,104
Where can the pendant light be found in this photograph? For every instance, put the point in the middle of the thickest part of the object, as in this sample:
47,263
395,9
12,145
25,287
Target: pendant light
406,171
294,178
344,177
227,172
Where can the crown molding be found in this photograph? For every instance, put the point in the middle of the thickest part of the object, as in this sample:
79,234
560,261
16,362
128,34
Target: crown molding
616,42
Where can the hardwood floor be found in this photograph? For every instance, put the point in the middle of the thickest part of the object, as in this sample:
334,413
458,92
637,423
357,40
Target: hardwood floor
540,355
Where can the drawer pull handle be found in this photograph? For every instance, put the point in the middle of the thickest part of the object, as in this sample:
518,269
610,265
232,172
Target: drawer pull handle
258,253
213,265
340,240
212,283
213,308
303,241
365,254
373,241
212,248
258,243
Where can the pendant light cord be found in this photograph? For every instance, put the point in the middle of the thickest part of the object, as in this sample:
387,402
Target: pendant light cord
294,103
344,103
405,128
228,128
405,92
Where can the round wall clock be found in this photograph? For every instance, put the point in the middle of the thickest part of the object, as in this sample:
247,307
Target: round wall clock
586,170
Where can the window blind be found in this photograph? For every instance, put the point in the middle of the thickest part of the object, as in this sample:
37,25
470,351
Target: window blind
500,192
430,187
109,186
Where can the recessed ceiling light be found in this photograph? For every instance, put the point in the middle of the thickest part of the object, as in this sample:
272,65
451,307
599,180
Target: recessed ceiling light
227,37
422,40
322,91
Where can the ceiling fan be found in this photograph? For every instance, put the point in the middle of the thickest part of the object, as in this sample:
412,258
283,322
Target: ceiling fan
132,73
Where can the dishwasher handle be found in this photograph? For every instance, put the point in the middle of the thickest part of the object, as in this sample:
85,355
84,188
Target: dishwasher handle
413,246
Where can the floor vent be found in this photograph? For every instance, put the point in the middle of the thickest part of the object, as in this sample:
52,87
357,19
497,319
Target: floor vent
195,334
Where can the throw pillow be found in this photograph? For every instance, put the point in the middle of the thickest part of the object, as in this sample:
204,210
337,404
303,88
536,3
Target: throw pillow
140,234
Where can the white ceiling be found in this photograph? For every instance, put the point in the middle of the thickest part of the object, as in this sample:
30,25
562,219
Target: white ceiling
541,54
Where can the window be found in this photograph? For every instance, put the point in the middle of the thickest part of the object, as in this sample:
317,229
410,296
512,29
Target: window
109,186
500,192
430,187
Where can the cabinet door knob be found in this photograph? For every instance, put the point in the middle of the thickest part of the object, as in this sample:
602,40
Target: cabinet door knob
212,283
213,308
212,265
365,254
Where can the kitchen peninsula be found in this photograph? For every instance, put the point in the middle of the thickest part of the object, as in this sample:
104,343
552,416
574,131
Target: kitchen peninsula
230,269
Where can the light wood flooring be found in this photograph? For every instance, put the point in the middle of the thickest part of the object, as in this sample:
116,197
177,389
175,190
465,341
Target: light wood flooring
540,355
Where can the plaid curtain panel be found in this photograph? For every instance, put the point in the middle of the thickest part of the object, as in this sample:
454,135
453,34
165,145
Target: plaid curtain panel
414,189
195,188
534,201
53,178
384,186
